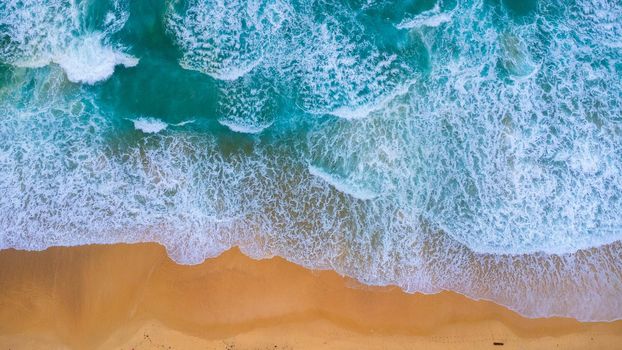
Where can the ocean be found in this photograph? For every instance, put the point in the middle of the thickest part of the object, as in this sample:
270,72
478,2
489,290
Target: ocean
472,146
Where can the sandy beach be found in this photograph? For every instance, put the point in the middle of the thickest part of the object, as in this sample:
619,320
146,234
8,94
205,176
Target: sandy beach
134,297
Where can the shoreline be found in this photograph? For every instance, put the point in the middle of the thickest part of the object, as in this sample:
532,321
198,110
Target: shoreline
133,296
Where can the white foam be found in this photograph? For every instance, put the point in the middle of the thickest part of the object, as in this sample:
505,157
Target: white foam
149,125
246,105
242,127
365,110
223,40
345,78
40,33
184,123
342,185
89,61
293,50
431,18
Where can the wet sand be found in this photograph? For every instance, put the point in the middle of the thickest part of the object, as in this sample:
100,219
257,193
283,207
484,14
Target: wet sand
134,297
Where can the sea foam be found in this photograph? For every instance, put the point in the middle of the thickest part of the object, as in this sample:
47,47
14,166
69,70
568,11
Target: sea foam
88,61
342,185
310,60
40,33
430,18
149,125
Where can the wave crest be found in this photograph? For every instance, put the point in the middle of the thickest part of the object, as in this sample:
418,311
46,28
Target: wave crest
38,33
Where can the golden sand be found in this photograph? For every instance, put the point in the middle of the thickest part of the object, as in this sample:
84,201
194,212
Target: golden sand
134,297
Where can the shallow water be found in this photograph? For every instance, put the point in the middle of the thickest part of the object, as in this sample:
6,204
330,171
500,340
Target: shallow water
474,146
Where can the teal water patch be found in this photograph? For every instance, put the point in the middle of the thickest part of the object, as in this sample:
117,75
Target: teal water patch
521,8
427,144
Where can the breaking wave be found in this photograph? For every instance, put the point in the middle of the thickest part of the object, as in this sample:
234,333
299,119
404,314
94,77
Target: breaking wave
36,33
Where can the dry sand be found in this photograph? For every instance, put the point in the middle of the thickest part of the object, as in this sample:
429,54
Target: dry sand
134,297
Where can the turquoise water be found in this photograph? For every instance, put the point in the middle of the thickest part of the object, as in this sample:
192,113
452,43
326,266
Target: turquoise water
473,146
